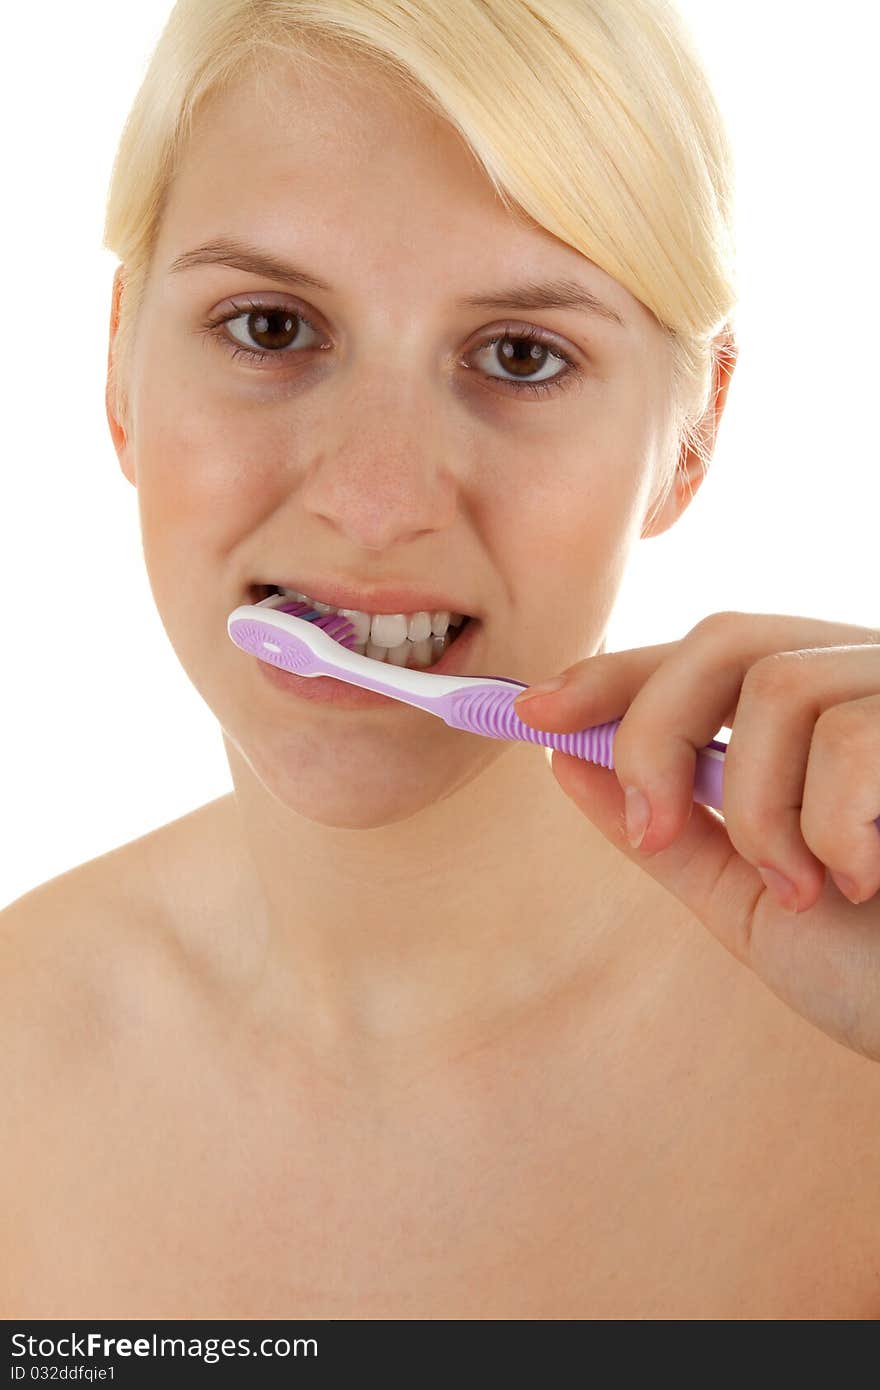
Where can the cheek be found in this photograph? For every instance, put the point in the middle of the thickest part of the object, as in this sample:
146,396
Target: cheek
570,519
565,537
203,471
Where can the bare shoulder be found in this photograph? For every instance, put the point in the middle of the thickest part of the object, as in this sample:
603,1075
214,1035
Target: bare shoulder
67,948
85,966
141,885
88,953
85,948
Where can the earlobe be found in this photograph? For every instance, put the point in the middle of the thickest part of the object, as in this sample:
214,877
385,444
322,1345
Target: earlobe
120,440
689,476
693,461
726,354
117,430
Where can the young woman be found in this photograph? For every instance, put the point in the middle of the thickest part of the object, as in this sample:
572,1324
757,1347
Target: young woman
425,311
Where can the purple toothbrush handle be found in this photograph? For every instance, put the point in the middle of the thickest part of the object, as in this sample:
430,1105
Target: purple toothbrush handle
474,707
488,710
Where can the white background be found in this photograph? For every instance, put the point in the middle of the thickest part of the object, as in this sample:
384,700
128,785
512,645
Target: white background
105,738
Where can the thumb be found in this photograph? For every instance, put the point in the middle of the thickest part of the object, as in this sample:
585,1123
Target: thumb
700,867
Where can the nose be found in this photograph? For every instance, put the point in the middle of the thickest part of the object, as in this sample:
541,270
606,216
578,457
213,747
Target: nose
381,475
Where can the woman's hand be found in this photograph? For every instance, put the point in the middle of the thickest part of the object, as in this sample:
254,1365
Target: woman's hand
801,794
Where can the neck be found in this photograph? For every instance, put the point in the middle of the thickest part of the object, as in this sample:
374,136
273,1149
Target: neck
400,941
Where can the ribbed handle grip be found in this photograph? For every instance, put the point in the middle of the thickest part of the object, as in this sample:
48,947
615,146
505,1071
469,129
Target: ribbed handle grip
488,710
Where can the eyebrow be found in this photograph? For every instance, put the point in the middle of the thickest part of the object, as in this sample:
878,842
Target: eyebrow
561,293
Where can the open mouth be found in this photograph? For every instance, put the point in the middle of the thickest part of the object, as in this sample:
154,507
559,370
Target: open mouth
402,639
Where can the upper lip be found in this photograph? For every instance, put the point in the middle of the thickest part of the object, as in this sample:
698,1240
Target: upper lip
383,598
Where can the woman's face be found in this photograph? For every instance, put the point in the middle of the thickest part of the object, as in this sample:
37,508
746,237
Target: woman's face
382,438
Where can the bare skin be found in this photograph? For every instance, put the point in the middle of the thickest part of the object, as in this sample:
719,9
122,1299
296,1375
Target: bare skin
392,1031
670,1144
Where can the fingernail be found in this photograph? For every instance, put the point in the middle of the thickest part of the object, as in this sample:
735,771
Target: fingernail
847,887
781,887
638,814
545,688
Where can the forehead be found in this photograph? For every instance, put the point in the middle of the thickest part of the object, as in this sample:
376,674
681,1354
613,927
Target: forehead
353,175
329,134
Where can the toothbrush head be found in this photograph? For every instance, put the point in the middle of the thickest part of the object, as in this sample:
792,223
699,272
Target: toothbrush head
291,634
335,626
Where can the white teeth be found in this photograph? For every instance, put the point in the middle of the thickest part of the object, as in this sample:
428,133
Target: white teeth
408,653
399,656
419,627
421,653
417,639
388,629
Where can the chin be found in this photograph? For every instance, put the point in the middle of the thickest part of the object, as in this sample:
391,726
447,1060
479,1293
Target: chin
336,784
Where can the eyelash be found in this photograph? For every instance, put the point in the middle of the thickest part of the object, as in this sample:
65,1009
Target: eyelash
213,328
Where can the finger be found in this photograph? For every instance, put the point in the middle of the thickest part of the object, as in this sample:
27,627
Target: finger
597,690
677,711
841,803
683,703
701,868
600,688
770,748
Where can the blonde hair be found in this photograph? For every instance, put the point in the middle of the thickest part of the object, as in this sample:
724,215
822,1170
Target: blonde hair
594,118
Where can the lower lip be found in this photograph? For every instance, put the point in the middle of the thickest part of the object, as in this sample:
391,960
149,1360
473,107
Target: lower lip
329,691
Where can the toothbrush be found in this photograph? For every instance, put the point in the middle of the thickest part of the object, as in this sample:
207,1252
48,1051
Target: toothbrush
291,634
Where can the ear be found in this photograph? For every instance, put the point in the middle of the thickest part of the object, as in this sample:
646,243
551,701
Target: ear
117,429
691,467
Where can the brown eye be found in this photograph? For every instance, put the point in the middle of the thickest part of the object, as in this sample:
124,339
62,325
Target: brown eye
277,331
268,330
530,360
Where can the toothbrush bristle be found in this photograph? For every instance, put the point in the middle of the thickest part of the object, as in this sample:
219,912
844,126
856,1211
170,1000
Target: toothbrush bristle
335,626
